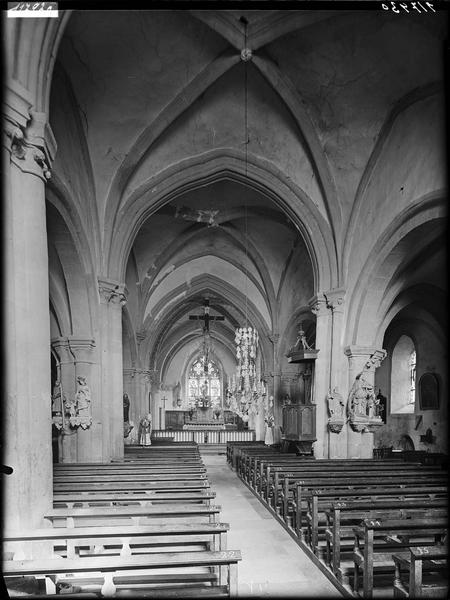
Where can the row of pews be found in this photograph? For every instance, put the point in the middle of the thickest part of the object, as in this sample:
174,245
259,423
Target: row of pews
375,527
145,527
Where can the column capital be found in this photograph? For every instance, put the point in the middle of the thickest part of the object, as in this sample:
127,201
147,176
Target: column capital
335,299
140,336
27,134
353,351
81,348
318,305
62,348
112,292
274,337
129,371
367,357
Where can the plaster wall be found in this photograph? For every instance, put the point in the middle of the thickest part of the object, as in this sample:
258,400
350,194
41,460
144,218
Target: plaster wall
207,242
410,166
216,120
349,72
142,71
275,242
133,295
297,286
214,266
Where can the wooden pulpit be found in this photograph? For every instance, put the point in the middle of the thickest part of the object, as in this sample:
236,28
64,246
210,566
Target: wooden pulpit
299,428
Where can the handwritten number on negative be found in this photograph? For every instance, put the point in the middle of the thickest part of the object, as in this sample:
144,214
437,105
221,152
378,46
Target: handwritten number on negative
407,7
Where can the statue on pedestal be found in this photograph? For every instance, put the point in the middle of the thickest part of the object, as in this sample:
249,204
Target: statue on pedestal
57,398
363,405
83,404
336,408
58,405
126,408
145,430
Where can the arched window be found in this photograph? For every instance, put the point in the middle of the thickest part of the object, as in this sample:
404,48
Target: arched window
403,376
204,380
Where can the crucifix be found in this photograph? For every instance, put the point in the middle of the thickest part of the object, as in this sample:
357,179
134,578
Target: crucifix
205,316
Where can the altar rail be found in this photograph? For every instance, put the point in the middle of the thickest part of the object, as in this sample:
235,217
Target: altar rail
200,436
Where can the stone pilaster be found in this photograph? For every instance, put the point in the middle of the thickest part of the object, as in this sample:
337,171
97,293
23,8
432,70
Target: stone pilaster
28,149
67,438
90,439
112,298
276,382
336,302
367,359
318,306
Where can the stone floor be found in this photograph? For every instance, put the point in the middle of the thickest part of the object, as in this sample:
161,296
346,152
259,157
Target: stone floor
272,565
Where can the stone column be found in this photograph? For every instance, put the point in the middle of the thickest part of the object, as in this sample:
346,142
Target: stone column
321,373
367,359
28,148
276,379
335,301
112,298
89,441
68,436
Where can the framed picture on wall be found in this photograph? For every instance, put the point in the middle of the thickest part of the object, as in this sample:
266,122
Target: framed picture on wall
429,392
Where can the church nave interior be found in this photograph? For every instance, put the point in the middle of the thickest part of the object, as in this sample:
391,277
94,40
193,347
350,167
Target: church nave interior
223,227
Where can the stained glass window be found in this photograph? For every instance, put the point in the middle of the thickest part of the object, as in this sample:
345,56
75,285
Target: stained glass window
204,379
412,377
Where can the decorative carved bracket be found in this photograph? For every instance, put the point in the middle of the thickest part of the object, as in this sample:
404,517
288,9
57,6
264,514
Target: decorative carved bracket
112,292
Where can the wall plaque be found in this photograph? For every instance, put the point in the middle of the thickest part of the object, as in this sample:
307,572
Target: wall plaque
429,392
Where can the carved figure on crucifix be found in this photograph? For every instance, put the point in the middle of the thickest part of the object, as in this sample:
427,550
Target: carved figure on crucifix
206,317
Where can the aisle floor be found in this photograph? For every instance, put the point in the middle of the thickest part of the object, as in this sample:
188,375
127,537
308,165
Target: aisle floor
273,565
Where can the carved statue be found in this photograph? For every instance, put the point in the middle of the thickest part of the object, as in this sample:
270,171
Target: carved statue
145,430
57,398
127,427
363,405
336,405
286,400
83,397
301,340
381,406
126,408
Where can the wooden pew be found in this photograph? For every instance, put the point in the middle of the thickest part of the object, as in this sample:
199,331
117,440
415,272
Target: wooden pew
369,557
263,467
309,501
84,478
124,539
295,481
292,485
276,476
344,515
108,513
131,468
144,499
129,486
232,448
111,566
421,574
